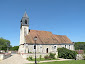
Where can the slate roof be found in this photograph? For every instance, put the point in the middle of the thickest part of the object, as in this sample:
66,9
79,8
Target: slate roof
45,37
25,14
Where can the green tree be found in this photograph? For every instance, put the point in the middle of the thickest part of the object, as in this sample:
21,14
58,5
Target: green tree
66,53
15,48
4,44
79,45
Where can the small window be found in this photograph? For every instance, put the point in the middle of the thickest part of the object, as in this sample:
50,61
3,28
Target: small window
54,47
65,46
25,21
47,50
69,46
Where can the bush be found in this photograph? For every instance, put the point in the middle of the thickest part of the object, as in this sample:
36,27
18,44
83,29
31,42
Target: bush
84,57
84,51
40,57
30,58
79,45
66,53
46,57
52,55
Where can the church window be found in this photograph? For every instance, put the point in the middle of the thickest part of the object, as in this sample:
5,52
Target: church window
65,46
21,20
25,21
54,47
69,46
40,46
47,50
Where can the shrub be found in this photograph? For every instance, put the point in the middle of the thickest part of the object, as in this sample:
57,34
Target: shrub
66,53
52,55
27,58
30,52
40,57
84,57
84,51
30,58
46,57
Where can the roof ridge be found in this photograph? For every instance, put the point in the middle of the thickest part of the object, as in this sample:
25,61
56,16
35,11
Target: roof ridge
42,30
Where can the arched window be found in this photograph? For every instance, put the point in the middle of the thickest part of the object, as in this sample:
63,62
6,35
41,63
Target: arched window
69,46
65,46
54,47
47,50
25,21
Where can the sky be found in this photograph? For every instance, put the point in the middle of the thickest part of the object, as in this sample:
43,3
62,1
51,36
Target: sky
61,17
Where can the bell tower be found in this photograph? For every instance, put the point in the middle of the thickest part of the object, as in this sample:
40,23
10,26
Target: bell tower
24,28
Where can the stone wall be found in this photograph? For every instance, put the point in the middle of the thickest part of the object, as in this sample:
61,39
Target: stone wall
80,56
4,56
24,55
43,48
27,55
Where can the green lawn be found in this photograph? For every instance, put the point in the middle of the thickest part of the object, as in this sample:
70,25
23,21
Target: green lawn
66,62
42,59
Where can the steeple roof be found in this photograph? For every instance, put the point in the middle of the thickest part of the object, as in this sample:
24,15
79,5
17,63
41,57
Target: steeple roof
25,14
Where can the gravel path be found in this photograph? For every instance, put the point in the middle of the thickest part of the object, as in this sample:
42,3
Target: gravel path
14,59
17,59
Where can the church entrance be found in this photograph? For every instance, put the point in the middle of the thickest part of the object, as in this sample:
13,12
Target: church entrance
47,50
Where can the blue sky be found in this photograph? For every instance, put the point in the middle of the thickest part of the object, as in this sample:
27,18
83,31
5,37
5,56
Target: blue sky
61,17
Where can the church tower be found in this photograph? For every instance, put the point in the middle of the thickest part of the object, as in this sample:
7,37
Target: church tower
24,28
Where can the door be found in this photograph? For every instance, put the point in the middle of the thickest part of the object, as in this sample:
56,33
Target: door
47,50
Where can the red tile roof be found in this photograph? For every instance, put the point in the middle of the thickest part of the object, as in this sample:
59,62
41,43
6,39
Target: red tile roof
80,51
45,37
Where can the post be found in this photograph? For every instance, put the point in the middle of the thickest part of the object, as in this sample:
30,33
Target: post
35,52
35,39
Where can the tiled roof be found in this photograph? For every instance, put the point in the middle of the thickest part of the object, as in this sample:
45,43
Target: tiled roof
80,51
45,37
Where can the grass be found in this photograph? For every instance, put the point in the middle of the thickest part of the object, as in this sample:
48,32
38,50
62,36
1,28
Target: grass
42,59
66,62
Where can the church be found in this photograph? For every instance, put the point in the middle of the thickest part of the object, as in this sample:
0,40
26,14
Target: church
46,41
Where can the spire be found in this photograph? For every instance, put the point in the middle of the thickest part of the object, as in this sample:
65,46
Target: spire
25,14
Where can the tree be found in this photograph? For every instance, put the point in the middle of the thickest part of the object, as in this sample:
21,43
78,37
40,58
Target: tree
79,46
15,48
4,44
66,53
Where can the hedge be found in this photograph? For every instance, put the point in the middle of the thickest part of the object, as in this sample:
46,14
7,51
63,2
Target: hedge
66,53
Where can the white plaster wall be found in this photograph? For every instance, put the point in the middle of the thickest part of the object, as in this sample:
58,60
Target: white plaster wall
42,48
21,49
22,38
2,56
71,47
33,55
22,34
